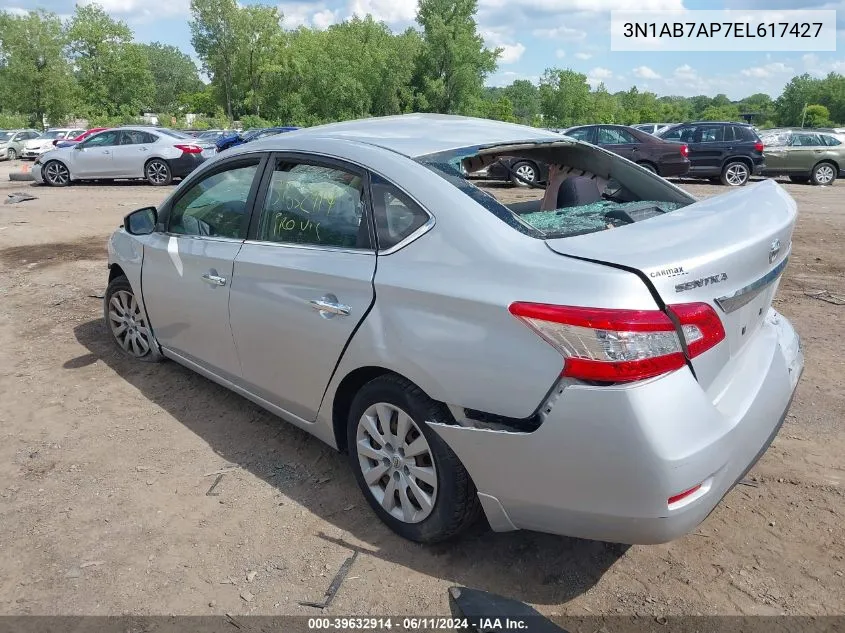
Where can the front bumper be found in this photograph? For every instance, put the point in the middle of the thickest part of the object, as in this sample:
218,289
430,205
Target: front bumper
36,173
33,153
605,460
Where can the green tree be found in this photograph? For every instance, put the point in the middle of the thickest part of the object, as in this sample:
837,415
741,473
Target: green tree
799,92
215,39
174,74
564,97
452,62
816,116
525,98
113,72
604,105
33,69
259,34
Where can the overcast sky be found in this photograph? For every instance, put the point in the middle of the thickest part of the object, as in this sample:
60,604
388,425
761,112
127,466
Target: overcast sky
535,35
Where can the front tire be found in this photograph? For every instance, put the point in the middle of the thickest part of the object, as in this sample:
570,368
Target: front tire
735,174
408,474
823,174
56,174
11,154
527,173
127,324
157,173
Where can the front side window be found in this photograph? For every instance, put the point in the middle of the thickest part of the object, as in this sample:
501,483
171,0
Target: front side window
103,139
217,205
396,215
315,205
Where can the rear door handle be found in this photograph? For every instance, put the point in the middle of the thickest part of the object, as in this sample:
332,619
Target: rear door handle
214,280
328,306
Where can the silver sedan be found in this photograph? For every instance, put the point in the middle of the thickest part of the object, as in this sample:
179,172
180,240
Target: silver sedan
602,361
156,154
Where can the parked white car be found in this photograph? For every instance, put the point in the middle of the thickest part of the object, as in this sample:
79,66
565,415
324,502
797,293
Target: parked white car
34,148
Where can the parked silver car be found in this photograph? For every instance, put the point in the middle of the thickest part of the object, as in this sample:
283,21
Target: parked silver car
602,362
33,148
157,154
12,142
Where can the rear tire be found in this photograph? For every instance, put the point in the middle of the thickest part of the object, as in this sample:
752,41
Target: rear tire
824,174
157,173
648,166
735,174
528,171
388,416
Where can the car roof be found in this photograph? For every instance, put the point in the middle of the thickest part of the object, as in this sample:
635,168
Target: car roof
415,135
742,123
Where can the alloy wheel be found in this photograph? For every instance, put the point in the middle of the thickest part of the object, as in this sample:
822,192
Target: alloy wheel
736,174
526,172
12,154
157,172
56,174
396,462
128,325
825,174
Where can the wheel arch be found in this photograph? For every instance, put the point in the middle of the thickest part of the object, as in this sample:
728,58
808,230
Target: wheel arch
739,159
115,271
651,164
345,394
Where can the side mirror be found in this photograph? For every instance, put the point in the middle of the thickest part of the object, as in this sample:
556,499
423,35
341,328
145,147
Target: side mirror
141,222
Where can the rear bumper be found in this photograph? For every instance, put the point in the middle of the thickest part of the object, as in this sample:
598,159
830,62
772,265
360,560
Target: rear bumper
185,164
606,459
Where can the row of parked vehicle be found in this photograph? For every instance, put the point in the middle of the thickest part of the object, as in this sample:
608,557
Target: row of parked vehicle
156,154
726,152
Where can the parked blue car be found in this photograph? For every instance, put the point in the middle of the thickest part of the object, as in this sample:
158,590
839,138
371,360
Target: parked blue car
239,138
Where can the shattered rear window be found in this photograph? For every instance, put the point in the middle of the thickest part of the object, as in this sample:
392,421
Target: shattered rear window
614,202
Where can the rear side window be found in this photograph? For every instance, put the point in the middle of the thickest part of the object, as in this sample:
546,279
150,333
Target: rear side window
582,134
216,206
615,136
396,215
710,134
136,137
804,139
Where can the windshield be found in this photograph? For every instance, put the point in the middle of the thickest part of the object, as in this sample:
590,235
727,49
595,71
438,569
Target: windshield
565,189
53,134
5,136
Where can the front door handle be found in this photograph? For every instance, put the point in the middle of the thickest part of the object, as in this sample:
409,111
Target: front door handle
328,306
214,280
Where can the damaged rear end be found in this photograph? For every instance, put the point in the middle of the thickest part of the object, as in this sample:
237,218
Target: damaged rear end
657,412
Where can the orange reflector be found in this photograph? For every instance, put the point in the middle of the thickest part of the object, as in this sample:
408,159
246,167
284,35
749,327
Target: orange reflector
683,495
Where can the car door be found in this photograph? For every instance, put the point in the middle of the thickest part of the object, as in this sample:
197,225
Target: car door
132,153
93,157
303,280
806,150
777,148
709,148
187,268
618,141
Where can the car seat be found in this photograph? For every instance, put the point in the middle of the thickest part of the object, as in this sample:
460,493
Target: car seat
577,191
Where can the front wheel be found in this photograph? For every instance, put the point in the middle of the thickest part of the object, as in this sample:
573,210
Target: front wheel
127,324
823,174
735,174
408,474
11,154
158,173
56,174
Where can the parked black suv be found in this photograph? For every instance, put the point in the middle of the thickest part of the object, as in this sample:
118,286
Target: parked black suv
729,152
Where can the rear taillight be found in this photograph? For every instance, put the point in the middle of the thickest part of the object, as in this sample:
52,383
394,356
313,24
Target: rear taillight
608,345
685,151
189,149
758,146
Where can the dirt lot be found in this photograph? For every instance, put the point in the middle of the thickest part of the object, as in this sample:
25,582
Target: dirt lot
105,464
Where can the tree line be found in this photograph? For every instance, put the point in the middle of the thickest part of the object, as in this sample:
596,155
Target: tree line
89,66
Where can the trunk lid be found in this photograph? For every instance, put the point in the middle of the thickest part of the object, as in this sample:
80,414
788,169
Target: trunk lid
728,251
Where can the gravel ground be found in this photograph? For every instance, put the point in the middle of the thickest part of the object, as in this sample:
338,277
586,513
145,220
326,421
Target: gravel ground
105,465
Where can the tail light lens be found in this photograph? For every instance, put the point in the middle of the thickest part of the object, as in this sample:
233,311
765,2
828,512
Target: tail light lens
189,149
622,345
685,151
758,146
